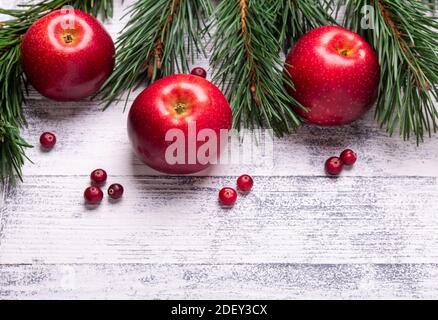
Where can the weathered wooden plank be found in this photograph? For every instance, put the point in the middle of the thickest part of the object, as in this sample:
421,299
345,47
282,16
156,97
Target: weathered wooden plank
183,245
89,138
3,212
178,220
241,281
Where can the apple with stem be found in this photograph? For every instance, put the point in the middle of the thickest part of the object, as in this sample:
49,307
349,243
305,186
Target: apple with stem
179,124
67,55
335,74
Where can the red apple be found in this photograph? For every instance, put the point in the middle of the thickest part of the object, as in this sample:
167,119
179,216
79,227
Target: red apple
336,75
172,119
67,55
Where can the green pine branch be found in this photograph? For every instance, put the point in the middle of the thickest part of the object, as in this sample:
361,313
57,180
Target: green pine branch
432,4
12,82
404,35
246,60
299,17
12,146
161,38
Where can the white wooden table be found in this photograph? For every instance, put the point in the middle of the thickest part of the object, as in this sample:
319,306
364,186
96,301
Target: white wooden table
372,233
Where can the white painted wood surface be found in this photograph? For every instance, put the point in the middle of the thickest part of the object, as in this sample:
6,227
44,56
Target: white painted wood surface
372,233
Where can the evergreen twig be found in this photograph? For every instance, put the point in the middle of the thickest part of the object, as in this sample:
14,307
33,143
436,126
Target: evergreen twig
161,38
12,84
246,47
297,17
404,34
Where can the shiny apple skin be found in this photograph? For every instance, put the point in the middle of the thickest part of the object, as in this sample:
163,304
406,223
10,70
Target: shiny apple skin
67,71
336,88
153,114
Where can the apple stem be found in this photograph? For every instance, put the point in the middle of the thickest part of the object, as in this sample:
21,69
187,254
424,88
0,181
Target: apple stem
344,52
68,38
180,108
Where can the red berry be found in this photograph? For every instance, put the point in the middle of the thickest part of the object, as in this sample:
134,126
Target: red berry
93,195
200,72
245,182
348,157
334,166
48,140
115,191
98,176
228,196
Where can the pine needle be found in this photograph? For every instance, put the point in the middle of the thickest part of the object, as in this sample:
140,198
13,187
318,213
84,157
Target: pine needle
161,38
247,42
404,35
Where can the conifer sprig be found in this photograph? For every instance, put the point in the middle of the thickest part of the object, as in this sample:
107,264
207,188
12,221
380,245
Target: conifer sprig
161,38
299,17
247,41
404,35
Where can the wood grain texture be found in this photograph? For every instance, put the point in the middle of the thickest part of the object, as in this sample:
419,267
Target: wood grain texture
89,138
178,220
200,281
372,233
3,212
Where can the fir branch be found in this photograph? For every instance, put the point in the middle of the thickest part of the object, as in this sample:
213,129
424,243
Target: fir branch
12,146
300,16
103,9
12,83
12,151
246,58
161,38
432,4
404,36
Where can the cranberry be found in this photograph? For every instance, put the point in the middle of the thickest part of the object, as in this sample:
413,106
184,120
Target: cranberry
348,157
93,195
98,176
245,182
334,166
48,140
200,72
228,196
115,191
